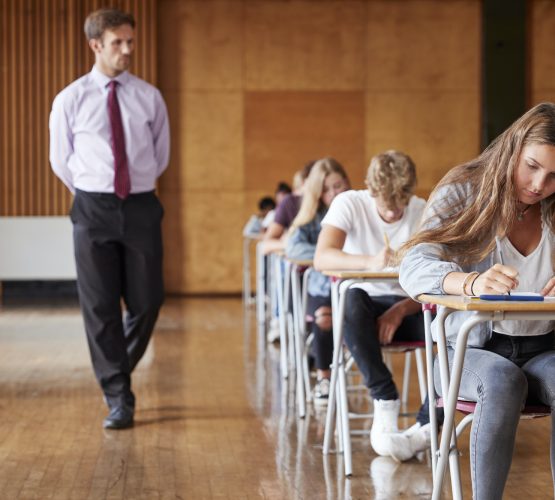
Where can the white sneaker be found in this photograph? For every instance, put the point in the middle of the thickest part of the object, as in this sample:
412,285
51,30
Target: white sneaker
321,392
273,331
406,445
384,425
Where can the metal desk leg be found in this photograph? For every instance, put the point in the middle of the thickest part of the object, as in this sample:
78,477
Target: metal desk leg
246,272
304,341
343,407
286,274
330,414
297,335
338,379
260,284
447,448
431,389
281,317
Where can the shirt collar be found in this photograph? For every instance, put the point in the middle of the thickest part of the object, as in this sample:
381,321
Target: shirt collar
102,80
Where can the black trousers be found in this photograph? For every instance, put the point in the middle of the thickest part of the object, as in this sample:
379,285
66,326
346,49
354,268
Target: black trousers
118,252
361,335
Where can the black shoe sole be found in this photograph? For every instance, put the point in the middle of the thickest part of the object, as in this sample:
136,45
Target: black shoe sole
111,424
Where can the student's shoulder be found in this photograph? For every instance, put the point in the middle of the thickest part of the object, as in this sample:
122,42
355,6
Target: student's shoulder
353,195
290,201
417,203
347,204
288,197
353,198
453,191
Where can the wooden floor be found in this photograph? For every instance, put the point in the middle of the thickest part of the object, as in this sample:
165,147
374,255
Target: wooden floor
214,420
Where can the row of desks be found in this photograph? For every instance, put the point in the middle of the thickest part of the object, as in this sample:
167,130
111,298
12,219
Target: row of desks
481,311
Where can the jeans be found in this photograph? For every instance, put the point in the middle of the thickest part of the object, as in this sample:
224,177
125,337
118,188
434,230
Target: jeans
501,377
361,336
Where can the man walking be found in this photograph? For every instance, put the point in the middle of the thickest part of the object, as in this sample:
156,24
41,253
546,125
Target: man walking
109,142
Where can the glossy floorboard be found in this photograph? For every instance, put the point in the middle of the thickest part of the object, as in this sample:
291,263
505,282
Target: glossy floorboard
214,420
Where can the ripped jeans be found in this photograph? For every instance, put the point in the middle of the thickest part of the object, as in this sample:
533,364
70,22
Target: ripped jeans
501,377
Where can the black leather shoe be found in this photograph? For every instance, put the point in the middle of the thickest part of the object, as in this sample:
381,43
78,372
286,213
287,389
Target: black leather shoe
120,417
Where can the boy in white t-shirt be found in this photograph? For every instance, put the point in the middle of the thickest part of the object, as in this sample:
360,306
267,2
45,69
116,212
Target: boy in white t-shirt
361,230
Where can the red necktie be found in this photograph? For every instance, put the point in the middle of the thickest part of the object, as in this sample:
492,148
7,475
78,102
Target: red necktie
122,183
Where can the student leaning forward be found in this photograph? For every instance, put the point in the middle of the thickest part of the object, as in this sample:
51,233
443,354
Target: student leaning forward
508,193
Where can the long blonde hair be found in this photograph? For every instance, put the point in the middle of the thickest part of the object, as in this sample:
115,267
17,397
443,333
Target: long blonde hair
468,227
314,187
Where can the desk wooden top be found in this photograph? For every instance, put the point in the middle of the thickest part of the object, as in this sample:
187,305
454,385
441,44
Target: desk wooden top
361,274
300,262
460,303
254,237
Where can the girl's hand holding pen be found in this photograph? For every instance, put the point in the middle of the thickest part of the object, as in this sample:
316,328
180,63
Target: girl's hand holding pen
498,279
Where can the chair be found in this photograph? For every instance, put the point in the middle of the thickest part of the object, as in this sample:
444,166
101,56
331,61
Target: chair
338,387
465,407
260,283
298,299
301,318
291,302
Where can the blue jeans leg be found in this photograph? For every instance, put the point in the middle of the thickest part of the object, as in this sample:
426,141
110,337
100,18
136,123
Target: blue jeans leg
540,372
499,388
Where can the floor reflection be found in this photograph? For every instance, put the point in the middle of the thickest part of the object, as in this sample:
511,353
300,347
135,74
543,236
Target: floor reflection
299,461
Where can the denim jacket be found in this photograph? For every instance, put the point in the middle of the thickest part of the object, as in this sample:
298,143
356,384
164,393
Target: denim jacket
423,270
301,245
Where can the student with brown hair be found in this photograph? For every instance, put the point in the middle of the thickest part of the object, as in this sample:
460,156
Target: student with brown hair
505,195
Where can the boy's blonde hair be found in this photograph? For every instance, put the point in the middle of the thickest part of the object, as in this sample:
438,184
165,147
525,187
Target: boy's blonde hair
391,176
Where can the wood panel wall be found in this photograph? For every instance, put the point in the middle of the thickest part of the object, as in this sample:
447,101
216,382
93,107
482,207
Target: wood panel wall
257,88
254,90
541,50
43,49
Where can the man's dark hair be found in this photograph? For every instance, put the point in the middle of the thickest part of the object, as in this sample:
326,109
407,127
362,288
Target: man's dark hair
283,187
266,202
105,19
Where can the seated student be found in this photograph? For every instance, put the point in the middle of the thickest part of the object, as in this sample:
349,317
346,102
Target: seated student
254,226
326,180
282,190
274,237
509,192
361,231
286,211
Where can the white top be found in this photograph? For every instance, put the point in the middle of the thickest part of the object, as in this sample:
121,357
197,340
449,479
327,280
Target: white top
80,133
268,218
534,271
356,214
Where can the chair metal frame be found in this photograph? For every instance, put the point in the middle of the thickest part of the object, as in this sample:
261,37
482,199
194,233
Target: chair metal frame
446,451
338,403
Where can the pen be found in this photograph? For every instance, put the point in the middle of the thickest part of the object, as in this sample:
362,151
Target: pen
386,239
498,245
